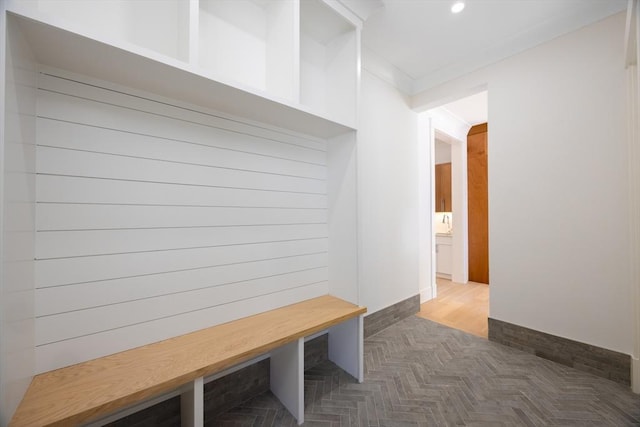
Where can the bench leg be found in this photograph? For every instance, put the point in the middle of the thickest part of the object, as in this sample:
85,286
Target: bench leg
287,377
192,405
346,347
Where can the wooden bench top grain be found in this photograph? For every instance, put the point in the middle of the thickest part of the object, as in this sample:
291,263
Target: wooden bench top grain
92,389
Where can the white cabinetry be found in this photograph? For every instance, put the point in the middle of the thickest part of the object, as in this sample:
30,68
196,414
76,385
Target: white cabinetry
443,256
302,55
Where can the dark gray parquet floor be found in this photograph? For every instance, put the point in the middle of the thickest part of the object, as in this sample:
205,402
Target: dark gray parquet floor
420,373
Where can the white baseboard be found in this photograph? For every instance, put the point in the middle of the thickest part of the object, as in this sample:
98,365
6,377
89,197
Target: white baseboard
635,375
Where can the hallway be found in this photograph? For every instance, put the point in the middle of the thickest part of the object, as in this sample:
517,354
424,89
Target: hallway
463,307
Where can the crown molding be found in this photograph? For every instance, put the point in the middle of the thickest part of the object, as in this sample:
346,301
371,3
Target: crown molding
387,72
546,31
362,8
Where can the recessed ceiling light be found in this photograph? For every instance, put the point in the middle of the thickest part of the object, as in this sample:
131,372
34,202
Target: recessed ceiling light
457,7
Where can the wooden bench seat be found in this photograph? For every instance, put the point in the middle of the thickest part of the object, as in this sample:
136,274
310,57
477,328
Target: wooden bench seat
93,389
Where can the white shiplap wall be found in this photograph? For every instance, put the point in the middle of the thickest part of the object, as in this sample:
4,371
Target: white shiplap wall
154,220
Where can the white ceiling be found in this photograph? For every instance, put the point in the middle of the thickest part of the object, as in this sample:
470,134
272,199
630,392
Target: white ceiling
425,41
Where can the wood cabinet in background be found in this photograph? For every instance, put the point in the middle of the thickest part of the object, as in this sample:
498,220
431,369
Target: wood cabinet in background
478,199
443,188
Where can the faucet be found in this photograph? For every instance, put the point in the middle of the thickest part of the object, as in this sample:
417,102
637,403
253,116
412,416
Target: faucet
447,220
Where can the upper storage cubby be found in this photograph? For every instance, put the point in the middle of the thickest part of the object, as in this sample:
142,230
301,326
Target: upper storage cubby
251,42
328,61
289,63
159,25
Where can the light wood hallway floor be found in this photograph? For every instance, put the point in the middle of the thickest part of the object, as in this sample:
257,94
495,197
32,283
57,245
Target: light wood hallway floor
464,307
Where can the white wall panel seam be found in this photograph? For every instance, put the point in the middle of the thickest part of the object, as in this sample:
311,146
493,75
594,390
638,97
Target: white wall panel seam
182,270
304,285
185,109
163,116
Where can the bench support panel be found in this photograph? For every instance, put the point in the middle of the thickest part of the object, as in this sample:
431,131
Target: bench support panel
287,377
346,347
192,404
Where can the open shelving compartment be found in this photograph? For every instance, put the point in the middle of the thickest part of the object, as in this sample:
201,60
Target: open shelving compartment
234,55
165,30
328,61
58,45
251,42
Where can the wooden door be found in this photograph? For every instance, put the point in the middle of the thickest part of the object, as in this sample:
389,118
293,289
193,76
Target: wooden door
477,188
443,188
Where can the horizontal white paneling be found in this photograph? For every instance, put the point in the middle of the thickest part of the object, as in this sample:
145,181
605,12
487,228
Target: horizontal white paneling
79,270
55,216
54,161
77,323
67,108
108,141
76,350
153,219
109,94
59,244
63,189
53,300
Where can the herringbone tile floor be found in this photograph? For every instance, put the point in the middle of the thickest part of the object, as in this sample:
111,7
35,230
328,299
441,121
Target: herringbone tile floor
420,373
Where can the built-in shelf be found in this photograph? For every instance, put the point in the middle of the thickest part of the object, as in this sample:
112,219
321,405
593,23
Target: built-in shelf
165,30
289,63
145,70
250,41
328,60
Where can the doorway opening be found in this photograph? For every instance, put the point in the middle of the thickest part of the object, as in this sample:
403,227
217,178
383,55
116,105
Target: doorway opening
454,139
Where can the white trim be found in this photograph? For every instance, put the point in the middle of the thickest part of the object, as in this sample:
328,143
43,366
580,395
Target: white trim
192,404
633,80
630,39
426,216
136,408
344,11
193,54
236,368
635,375
386,71
460,210
362,8
316,335
426,294
6,408
449,124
